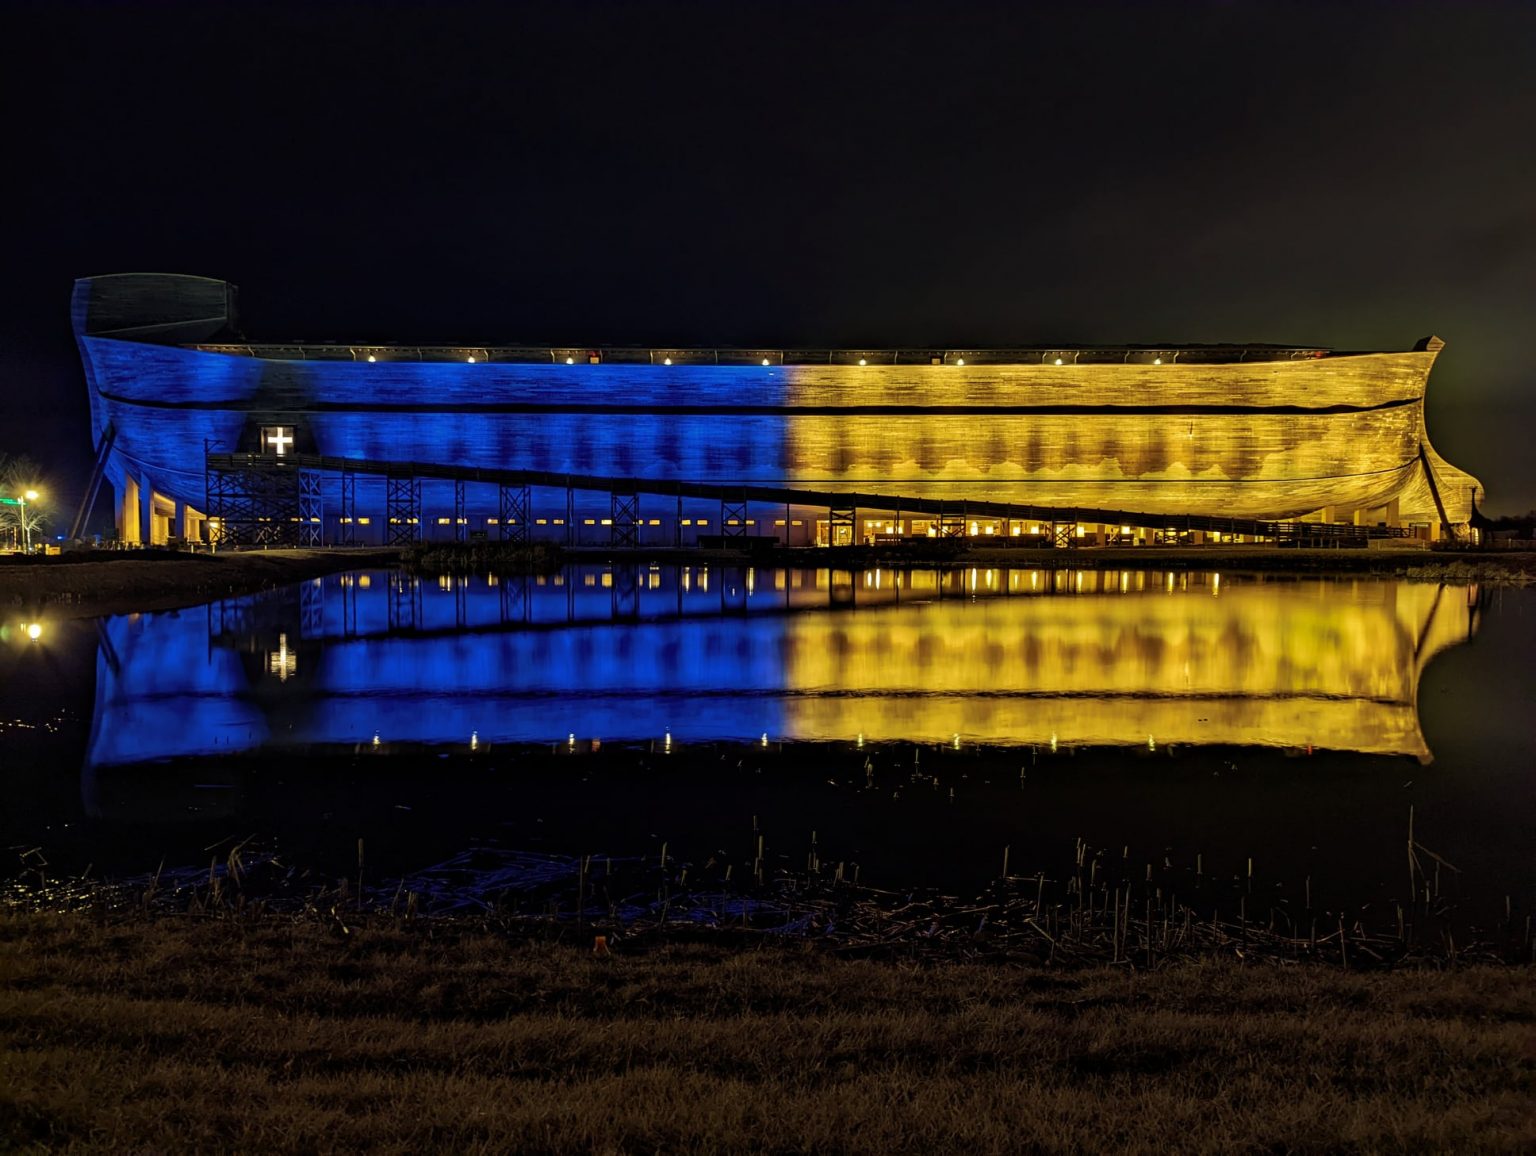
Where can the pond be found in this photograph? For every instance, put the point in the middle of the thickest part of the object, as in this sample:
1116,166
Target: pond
915,723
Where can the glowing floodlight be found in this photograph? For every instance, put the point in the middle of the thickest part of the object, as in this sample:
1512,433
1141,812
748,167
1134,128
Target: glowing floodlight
666,361
371,358
959,361
471,359
1058,361
1157,361
570,361
863,362
34,631
765,361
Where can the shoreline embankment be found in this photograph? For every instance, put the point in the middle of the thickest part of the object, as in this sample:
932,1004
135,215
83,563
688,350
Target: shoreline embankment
119,582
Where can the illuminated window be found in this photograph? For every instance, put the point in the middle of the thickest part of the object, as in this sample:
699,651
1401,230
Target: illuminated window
559,521
346,521
364,521
654,522
751,522
797,522
590,522
276,439
542,521
494,522
702,522
606,522
778,521
687,521
728,522
445,521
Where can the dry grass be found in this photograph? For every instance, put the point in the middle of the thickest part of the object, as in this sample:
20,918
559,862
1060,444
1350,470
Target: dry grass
278,1035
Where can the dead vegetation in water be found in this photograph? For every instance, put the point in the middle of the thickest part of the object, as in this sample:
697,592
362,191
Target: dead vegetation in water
1107,910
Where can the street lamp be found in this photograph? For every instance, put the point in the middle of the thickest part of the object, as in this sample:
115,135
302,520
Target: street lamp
26,527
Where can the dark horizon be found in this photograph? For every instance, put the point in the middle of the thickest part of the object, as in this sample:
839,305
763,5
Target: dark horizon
870,176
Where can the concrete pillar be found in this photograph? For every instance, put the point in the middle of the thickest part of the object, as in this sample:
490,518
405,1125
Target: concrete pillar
146,510
128,511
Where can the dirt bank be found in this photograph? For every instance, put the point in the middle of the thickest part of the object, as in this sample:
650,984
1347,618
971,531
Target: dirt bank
120,582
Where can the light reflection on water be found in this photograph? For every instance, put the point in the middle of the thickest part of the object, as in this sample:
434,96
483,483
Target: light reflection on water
636,653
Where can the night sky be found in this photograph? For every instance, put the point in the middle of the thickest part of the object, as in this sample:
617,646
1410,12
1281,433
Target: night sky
808,174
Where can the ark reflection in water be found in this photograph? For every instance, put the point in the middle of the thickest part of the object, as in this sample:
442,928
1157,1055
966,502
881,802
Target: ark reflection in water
706,654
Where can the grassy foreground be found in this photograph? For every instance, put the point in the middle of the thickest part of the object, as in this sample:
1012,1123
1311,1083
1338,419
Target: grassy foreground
283,1034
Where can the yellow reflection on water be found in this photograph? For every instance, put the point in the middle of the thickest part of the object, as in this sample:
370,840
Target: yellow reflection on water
1290,664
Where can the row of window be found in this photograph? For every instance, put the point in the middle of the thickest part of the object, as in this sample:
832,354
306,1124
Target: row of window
560,521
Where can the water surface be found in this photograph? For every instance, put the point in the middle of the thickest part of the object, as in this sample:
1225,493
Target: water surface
917,723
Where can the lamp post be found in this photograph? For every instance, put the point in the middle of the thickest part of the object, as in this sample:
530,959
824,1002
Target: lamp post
26,527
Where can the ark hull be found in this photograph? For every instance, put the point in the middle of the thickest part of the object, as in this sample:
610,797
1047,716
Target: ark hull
1253,432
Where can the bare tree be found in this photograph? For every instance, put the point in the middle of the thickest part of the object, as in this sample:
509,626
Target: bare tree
18,474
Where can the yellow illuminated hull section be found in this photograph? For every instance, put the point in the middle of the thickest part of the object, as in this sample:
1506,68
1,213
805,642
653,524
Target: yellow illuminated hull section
1261,440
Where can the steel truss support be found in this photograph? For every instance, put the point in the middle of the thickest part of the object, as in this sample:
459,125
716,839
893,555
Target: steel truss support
311,510
624,519
1064,535
513,513
348,535
733,511
842,526
460,523
261,503
402,510
951,524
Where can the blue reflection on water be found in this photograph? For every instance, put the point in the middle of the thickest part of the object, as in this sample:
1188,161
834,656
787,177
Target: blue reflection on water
340,660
